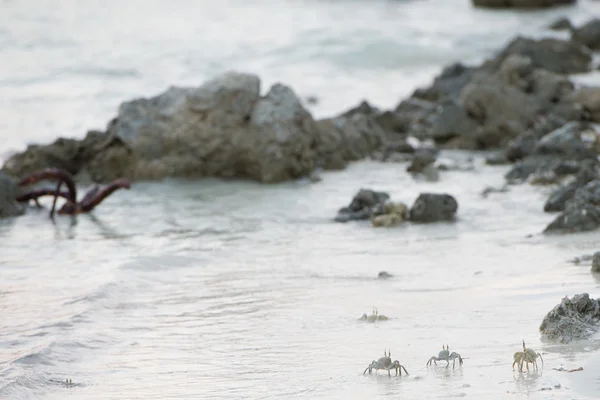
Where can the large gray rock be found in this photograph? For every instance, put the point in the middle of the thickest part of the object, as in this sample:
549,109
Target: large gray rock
9,207
573,319
433,207
521,3
223,128
581,213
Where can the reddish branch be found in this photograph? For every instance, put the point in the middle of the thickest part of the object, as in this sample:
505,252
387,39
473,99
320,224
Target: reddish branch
91,199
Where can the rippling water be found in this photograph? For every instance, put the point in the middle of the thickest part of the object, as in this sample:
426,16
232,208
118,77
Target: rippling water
210,289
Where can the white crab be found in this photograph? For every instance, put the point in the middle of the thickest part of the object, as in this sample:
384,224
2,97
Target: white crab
445,355
386,363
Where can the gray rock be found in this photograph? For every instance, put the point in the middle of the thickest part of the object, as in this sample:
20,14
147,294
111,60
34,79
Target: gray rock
561,24
433,207
422,158
451,121
384,275
539,164
566,142
581,213
365,204
588,34
449,84
521,3
596,262
9,207
554,55
503,111
573,319
564,193
347,138
589,99
522,146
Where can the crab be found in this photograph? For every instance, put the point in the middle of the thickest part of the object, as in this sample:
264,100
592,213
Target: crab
386,363
72,207
527,356
373,317
445,355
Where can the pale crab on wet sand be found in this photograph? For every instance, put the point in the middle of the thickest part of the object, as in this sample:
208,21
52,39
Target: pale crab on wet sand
373,317
386,363
445,355
527,356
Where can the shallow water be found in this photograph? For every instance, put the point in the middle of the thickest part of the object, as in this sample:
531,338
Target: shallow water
238,290
216,289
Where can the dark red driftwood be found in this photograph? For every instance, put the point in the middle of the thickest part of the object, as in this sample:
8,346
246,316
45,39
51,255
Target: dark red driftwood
72,207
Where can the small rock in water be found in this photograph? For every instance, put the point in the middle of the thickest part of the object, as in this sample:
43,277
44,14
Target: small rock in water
384,275
362,206
433,207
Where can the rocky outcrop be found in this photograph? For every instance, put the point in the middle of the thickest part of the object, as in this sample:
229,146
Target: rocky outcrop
523,90
433,207
562,194
223,128
365,205
588,34
9,207
561,152
521,3
581,212
572,319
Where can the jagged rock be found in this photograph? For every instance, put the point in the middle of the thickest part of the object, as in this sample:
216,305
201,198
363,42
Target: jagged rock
502,111
573,319
365,204
554,55
588,34
567,142
562,194
68,154
581,213
560,151
449,84
433,207
521,3
9,207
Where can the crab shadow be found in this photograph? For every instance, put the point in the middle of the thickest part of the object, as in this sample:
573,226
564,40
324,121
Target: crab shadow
446,372
527,380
